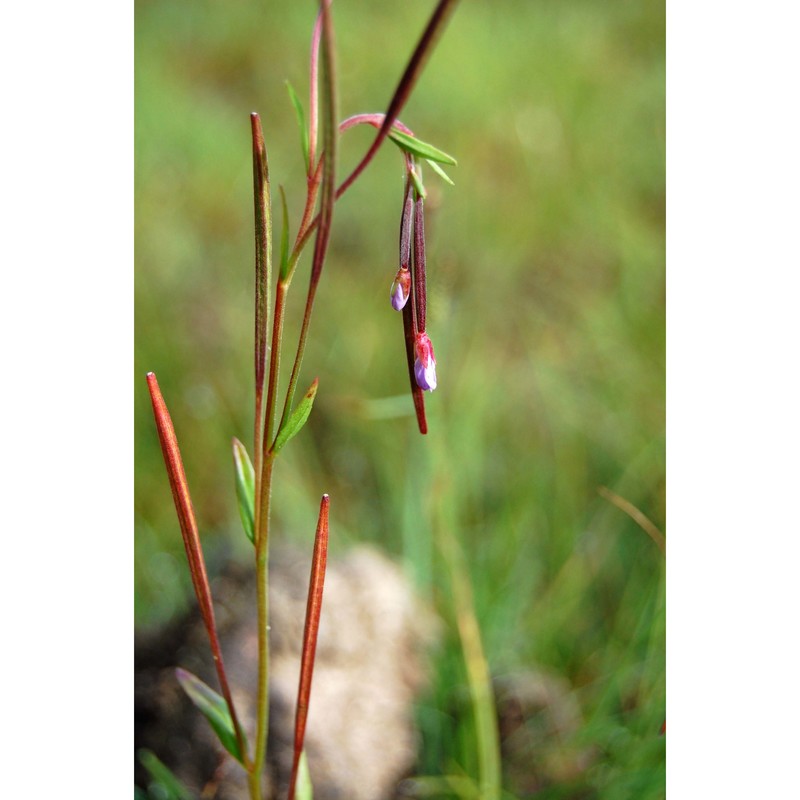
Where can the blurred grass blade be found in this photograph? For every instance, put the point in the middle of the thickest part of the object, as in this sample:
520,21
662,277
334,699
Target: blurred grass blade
304,790
641,519
297,419
170,788
461,786
301,122
419,148
214,709
316,585
245,488
479,678
440,172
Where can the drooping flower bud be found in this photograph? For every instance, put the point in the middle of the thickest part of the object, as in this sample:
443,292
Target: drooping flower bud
425,363
401,288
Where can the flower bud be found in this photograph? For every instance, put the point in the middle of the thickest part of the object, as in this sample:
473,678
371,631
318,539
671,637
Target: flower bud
425,364
401,288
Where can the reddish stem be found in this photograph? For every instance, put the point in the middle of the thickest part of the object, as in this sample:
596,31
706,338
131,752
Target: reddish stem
316,585
405,227
376,120
417,394
313,104
418,277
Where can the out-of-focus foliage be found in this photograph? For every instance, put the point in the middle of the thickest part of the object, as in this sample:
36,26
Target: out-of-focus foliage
546,308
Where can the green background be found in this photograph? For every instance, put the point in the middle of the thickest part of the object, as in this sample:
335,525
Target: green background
546,308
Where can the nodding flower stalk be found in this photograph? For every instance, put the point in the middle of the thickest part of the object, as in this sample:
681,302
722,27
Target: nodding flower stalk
424,368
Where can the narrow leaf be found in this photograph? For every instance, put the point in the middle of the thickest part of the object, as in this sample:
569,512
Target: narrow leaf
419,148
263,271
304,790
301,122
190,533
171,788
245,477
440,172
418,185
297,419
316,585
213,708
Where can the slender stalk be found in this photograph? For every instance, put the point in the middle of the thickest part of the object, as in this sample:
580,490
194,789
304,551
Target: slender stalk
191,541
313,101
328,197
420,292
262,600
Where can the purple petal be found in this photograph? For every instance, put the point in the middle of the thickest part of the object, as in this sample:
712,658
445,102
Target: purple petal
398,298
426,376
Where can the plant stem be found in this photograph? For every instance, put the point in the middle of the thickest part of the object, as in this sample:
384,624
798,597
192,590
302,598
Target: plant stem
262,590
327,201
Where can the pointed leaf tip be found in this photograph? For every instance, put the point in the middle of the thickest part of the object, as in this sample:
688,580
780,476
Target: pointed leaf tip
213,708
298,418
419,148
245,478
301,123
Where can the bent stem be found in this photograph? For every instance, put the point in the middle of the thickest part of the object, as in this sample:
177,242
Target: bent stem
401,94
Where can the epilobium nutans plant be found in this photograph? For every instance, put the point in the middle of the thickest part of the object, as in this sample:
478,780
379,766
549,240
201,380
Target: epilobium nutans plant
273,429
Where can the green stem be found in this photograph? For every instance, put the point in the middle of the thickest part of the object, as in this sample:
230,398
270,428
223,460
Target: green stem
262,563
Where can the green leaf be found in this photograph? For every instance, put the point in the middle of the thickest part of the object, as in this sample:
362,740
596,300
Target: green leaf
284,269
440,172
419,148
297,419
304,790
213,707
165,785
418,186
301,121
245,477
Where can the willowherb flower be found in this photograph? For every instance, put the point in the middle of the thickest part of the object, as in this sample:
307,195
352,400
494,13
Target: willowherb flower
425,363
401,288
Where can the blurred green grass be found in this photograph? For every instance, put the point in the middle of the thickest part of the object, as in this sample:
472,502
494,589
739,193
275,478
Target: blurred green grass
546,276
